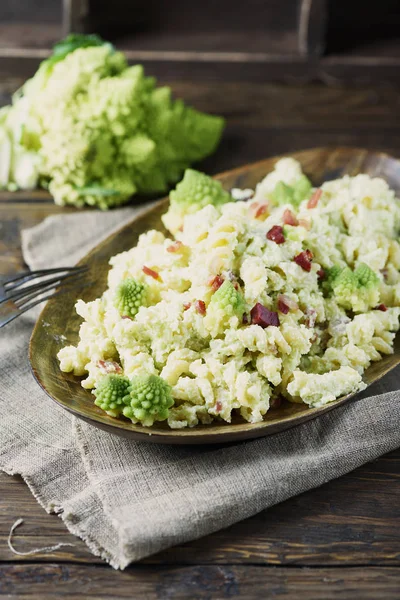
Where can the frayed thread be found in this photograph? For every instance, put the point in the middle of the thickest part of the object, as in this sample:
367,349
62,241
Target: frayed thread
19,522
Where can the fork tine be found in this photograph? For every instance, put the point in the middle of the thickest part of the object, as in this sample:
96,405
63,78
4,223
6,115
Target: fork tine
21,311
63,290
25,276
42,285
36,290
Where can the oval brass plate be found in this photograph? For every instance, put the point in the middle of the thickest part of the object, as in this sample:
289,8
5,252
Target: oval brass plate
58,319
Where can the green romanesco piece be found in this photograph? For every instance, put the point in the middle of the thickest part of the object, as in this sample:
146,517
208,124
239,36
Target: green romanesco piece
112,394
225,303
330,275
194,192
150,400
130,295
356,290
295,194
228,299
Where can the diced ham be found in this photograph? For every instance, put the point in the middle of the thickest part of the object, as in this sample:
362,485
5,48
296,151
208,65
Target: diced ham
215,282
218,406
381,307
289,218
258,209
304,260
285,304
282,306
321,274
150,272
187,305
175,246
313,201
200,307
275,234
109,366
260,315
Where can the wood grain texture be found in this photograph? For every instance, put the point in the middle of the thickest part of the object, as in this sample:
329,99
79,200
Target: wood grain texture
75,582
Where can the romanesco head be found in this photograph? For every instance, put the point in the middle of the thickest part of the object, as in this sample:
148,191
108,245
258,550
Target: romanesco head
225,303
292,194
150,400
228,299
112,394
130,295
355,290
101,130
195,191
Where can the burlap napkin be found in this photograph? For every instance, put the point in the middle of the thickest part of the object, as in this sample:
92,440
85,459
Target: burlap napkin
127,500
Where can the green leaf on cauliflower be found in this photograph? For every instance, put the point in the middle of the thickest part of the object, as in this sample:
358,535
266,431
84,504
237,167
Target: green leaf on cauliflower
72,42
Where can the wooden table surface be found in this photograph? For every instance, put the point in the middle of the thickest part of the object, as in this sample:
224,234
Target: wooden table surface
341,540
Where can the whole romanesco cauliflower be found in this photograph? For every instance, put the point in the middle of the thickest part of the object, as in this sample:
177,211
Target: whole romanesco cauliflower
96,131
112,394
194,192
130,295
150,400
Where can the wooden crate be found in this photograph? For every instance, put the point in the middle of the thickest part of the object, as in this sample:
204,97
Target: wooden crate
283,40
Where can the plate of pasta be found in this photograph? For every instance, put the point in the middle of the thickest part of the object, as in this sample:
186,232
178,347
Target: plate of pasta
238,307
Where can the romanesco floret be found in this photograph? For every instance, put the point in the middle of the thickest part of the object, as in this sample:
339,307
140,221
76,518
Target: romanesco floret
225,303
292,194
150,400
97,131
194,192
228,299
129,296
112,394
355,290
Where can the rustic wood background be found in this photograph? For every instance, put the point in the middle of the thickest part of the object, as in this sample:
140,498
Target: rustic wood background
339,541
275,40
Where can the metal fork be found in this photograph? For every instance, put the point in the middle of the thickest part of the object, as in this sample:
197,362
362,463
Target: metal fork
16,297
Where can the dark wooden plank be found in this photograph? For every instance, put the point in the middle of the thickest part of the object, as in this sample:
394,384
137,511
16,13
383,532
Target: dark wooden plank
74,582
282,108
325,527
39,11
29,36
353,69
